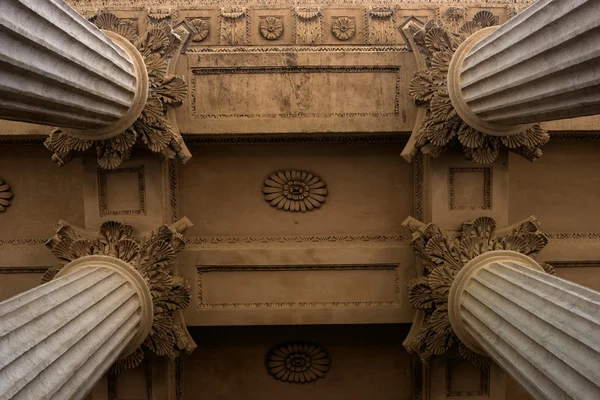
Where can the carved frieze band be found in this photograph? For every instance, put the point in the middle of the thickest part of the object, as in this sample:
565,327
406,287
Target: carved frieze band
23,270
304,241
202,304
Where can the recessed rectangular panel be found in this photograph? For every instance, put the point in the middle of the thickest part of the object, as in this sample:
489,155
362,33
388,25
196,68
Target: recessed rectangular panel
294,91
298,286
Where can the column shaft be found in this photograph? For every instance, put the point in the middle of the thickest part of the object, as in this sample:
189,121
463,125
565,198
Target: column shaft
58,339
57,68
542,65
541,329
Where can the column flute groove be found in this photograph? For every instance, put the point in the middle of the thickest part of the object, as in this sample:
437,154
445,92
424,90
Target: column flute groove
55,338
60,70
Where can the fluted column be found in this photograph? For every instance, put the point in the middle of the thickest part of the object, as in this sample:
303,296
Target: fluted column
57,68
58,339
541,65
541,329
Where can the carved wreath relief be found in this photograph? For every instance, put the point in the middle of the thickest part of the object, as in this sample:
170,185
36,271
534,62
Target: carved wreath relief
152,127
292,190
5,195
271,28
343,28
443,255
437,42
152,258
298,362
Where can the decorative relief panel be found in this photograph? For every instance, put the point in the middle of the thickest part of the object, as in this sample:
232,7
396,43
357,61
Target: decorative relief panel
122,191
298,362
292,190
234,26
381,22
5,195
309,25
470,188
343,28
271,27
201,29
310,286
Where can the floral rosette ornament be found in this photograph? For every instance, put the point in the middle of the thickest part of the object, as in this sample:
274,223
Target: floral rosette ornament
152,257
151,128
343,28
437,42
298,362
443,255
295,191
271,28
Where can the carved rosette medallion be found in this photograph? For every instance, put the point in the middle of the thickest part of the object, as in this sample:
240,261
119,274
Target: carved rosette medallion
291,190
271,28
343,28
441,128
298,362
152,128
201,28
443,254
5,195
152,257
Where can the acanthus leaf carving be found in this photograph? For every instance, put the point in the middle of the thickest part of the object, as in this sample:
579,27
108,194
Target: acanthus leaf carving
444,254
152,257
152,127
309,25
437,41
234,26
